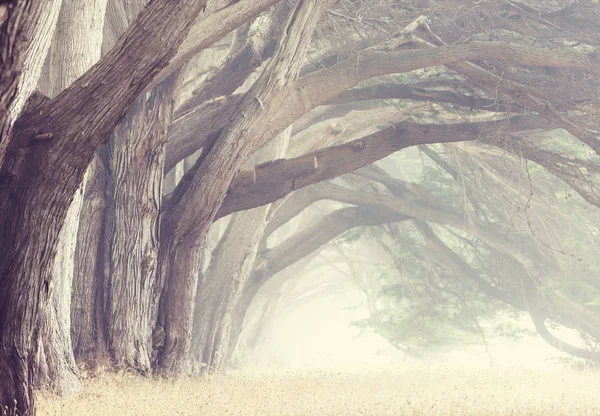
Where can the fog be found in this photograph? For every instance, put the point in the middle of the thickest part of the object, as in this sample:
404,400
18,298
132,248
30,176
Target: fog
291,207
315,332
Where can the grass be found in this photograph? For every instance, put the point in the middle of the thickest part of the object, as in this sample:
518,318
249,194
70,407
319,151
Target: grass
413,391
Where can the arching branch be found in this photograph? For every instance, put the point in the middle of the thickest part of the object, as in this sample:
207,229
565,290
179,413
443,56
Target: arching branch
321,232
320,87
270,181
216,25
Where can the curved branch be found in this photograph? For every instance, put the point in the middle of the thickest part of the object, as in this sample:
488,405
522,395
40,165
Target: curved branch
270,181
569,169
322,86
209,30
540,325
462,268
321,232
234,72
411,92
529,96
297,202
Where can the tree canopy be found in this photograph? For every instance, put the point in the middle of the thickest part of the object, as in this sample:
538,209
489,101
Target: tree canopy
149,182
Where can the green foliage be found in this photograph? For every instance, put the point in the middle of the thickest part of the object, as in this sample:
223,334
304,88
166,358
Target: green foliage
429,303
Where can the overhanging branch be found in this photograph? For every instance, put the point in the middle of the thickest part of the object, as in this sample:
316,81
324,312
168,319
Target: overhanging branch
270,181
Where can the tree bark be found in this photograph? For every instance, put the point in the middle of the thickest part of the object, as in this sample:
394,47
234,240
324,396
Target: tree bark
242,63
41,39
17,21
221,287
50,148
76,47
57,369
126,282
137,172
198,196
215,26
88,320
273,180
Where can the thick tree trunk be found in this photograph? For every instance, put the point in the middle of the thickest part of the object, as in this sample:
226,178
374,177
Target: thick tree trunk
21,25
76,47
42,33
137,171
124,323
221,287
17,19
88,321
47,154
190,214
57,370
88,311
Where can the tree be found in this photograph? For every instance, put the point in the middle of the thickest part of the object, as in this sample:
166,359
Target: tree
39,180
76,47
469,85
184,225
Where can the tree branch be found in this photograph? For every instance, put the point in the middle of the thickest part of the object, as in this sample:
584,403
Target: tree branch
273,180
320,233
82,117
322,86
212,28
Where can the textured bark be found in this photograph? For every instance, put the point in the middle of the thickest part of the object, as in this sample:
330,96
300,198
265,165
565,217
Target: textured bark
124,322
272,180
184,137
198,196
215,26
76,47
208,102
47,155
57,370
221,287
17,19
88,322
242,63
137,172
37,52
354,125
320,87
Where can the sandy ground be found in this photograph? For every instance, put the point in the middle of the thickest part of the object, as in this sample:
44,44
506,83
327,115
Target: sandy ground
431,390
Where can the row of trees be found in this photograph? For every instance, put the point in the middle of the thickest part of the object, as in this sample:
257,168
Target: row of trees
106,263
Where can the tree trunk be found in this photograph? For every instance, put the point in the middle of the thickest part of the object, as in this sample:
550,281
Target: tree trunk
17,21
49,150
221,287
76,47
137,171
57,370
88,321
251,288
126,282
88,312
190,214
42,34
